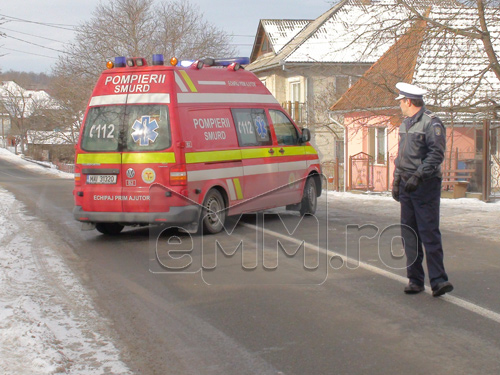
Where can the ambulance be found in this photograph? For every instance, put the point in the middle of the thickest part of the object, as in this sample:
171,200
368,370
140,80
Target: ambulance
187,145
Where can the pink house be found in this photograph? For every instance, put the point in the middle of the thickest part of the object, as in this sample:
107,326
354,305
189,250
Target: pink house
371,116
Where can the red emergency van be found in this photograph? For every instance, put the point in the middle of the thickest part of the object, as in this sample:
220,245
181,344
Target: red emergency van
188,146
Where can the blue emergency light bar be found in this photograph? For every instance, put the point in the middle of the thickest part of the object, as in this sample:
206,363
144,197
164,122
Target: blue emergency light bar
120,62
226,62
158,59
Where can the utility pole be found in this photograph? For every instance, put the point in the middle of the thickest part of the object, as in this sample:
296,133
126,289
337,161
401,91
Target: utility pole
486,161
3,133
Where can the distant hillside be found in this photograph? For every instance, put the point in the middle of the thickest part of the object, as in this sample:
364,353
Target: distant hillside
29,81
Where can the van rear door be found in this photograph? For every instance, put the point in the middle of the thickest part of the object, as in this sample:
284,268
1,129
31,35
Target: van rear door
101,159
147,155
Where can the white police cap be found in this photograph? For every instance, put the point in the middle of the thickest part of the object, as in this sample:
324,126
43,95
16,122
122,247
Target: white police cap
409,91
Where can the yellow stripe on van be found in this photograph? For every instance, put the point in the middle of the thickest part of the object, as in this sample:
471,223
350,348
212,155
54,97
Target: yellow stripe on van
148,157
237,187
99,158
212,156
310,150
292,151
255,153
188,81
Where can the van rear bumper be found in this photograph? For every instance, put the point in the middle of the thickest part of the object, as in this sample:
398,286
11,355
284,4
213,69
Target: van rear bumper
177,216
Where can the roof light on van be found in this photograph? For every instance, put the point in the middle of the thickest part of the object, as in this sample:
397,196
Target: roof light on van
227,62
234,66
158,59
120,62
136,61
110,64
174,61
186,63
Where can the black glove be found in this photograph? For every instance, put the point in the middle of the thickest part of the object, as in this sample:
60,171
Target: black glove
395,188
412,183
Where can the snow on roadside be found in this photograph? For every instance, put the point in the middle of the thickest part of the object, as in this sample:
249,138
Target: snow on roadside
48,324
50,169
457,215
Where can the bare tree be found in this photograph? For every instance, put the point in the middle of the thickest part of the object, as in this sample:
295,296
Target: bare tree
181,31
141,28
130,28
458,57
22,106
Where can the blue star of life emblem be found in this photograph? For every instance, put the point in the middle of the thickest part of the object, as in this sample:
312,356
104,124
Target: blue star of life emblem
261,127
145,130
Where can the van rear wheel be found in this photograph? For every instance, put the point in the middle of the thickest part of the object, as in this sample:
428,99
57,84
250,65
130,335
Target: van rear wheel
111,229
309,198
213,215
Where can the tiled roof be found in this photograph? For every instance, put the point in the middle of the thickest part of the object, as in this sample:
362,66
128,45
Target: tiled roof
376,88
453,68
349,32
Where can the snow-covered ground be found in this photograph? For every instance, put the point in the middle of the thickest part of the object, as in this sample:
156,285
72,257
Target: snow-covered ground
48,324
48,169
464,215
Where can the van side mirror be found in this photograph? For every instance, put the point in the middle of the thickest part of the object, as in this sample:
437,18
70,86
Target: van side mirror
306,135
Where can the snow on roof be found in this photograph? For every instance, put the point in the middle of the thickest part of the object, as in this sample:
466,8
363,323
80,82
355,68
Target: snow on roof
21,102
454,68
349,32
280,32
350,35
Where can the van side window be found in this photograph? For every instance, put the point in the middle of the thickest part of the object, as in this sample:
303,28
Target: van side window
252,127
286,133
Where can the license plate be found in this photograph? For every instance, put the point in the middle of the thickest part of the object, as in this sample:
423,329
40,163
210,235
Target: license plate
101,179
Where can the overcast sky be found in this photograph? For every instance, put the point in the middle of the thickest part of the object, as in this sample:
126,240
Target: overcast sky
31,45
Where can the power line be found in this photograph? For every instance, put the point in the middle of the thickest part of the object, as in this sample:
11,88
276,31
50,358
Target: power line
36,36
29,53
55,25
35,44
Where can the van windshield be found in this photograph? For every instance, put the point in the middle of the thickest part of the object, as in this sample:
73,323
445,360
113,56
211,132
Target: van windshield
127,128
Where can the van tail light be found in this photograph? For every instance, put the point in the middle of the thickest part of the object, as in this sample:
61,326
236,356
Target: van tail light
178,175
78,175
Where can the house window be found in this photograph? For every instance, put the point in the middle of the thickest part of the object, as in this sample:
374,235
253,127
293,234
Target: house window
377,144
295,105
265,45
341,84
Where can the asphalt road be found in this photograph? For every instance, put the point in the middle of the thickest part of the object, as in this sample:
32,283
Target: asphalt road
262,313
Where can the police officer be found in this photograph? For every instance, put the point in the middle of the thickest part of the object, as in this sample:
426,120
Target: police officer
417,186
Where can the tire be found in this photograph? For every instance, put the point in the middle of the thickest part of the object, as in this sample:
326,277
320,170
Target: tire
214,212
110,229
309,201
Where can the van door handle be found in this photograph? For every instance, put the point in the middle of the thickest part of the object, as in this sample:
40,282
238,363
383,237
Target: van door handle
282,151
271,151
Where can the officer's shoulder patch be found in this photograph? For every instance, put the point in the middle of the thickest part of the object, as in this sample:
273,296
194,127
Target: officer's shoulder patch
430,114
437,130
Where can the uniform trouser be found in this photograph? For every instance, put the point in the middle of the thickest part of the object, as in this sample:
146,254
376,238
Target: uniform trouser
420,225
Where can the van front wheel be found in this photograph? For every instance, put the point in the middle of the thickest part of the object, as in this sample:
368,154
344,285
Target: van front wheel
111,229
213,215
309,198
